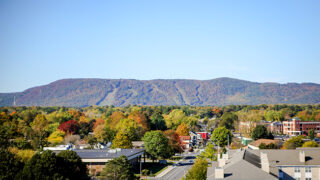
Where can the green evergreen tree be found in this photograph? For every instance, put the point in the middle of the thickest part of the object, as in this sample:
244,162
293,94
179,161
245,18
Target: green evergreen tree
118,168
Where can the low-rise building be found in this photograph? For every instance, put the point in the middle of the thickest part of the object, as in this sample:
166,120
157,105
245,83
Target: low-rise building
186,142
96,159
303,163
295,127
276,127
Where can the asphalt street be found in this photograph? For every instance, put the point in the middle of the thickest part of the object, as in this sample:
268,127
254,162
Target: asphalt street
180,169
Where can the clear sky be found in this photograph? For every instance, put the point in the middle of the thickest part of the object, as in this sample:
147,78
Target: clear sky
258,40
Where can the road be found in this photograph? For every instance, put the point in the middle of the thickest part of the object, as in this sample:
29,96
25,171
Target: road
180,169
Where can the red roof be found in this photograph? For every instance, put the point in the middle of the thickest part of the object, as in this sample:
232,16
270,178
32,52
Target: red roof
204,135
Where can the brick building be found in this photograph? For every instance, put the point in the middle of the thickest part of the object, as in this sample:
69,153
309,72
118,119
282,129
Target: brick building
297,127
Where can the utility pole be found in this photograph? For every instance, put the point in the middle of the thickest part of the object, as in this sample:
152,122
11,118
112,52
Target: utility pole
140,167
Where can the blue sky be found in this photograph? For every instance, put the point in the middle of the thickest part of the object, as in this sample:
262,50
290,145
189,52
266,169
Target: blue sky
263,41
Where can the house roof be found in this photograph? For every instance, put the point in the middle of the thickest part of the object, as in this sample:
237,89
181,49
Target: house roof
256,143
246,164
106,153
291,156
241,165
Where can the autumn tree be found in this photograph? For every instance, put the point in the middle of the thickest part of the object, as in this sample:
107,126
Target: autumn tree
122,140
98,122
70,127
293,143
115,118
103,133
56,137
305,115
310,144
217,111
274,115
182,130
131,128
174,118
174,140
39,134
140,118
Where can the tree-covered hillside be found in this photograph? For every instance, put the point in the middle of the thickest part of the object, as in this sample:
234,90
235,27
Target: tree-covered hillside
122,92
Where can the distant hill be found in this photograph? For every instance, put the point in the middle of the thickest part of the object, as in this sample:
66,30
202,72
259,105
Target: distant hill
122,92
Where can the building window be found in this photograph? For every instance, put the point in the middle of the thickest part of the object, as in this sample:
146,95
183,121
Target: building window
308,169
297,169
308,178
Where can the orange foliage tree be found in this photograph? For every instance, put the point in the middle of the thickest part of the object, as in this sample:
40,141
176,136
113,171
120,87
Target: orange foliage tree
98,122
216,111
174,140
182,130
140,118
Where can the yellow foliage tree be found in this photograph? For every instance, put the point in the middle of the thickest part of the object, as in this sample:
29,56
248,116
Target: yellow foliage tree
122,140
115,118
83,119
56,137
310,144
99,132
25,155
131,128
174,118
182,130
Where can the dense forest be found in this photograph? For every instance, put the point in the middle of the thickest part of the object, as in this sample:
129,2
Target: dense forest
123,92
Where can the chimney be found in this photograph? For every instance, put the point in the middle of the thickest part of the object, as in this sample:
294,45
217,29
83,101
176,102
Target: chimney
222,162
302,156
219,173
264,162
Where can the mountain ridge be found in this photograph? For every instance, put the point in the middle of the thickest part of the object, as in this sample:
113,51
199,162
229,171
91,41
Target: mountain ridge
80,92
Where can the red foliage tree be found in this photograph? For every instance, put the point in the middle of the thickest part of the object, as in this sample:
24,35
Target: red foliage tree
174,140
69,127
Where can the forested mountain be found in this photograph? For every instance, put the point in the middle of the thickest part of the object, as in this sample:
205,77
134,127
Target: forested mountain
122,92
